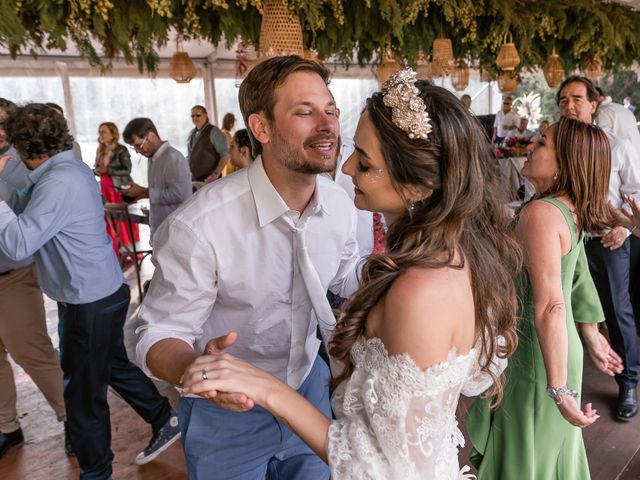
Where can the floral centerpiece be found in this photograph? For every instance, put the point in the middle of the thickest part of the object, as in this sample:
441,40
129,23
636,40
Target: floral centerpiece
513,147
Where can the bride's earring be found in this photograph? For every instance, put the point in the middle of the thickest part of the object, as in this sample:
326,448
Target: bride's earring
555,176
411,207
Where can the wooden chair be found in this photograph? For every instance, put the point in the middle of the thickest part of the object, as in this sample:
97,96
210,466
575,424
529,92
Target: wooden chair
118,219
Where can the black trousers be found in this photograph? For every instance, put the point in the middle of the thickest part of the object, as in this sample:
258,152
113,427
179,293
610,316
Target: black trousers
634,278
94,357
610,270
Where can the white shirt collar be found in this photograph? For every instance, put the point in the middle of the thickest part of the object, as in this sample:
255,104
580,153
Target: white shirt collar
269,203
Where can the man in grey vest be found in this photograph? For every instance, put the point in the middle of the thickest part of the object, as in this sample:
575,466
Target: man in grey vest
207,148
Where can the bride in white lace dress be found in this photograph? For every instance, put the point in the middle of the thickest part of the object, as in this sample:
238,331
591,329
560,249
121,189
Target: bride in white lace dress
424,325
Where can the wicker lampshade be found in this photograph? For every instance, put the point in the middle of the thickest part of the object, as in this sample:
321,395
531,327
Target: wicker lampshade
508,58
280,32
181,68
387,67
593,66
507,82
553,70
423,67
460,76
442,56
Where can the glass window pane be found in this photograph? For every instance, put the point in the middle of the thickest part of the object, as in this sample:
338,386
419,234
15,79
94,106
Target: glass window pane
32,89
227,100
119,100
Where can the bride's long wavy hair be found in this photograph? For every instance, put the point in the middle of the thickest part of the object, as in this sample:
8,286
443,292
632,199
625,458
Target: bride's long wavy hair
465,214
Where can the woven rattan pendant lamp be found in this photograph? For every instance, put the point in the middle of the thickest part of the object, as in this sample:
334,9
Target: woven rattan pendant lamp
508,58
593,67
553,70
507,82
280,32
423,67
460,76
442,56
181,67
387,67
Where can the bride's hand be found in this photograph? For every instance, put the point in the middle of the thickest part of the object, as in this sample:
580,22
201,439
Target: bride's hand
209,375
570,410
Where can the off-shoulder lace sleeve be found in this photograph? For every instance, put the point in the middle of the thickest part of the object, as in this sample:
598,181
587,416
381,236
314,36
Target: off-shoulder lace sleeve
395,421
478,380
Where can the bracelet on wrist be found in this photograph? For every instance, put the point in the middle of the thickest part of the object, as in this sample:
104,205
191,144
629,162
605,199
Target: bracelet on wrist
558,393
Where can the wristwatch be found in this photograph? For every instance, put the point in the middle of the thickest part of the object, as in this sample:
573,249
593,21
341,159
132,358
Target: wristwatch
558,393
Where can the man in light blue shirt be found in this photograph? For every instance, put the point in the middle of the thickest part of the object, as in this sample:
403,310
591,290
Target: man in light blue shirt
23,328
62,225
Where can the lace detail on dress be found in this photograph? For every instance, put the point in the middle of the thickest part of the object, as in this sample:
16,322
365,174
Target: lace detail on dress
395,421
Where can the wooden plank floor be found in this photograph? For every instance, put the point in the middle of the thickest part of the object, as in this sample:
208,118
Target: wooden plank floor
613,447
42,455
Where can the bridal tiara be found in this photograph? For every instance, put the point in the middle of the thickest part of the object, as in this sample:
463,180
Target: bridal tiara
409,113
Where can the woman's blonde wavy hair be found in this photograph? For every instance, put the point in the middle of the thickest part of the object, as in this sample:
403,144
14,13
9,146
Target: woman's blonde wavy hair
465,213
102,149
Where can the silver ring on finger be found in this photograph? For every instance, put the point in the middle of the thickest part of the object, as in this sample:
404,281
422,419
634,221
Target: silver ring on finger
204,373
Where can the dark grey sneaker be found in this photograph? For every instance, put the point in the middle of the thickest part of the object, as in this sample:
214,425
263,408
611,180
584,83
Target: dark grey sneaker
161,440
9,440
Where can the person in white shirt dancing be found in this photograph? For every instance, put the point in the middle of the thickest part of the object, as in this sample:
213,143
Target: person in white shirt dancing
243,255
424,324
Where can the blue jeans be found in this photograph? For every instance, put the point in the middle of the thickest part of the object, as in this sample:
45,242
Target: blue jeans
94,357
224,445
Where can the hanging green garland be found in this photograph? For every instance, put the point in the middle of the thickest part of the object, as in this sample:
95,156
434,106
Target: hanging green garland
134,29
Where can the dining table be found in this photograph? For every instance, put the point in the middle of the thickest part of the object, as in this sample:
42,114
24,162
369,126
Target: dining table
139,213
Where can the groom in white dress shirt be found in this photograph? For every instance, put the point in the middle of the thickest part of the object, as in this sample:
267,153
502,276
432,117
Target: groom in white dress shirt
227,260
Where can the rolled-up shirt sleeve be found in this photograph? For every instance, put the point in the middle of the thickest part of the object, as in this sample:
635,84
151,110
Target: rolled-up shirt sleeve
177,306
629,169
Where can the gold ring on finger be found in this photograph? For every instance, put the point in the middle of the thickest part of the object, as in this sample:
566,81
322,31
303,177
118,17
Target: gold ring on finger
204,373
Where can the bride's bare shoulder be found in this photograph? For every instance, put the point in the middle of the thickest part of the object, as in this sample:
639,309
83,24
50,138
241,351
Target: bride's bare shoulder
426,312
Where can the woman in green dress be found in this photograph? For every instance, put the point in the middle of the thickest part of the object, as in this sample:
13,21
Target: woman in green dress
535,432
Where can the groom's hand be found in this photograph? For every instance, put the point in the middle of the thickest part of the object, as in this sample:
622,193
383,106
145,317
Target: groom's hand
219,344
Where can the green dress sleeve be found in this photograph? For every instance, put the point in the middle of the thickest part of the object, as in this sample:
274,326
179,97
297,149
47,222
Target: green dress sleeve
584,296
